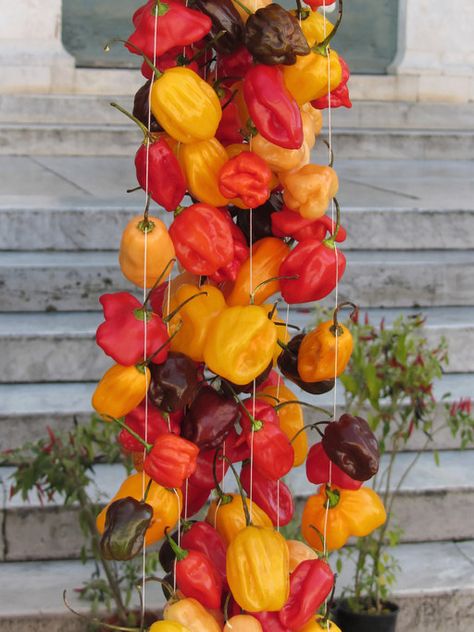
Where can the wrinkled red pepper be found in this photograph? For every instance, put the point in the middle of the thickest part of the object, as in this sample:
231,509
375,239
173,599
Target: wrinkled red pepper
241,252
273,110
158,423
276,503
248,177
287,223
340,95
318,471
171,460
201,536
310,584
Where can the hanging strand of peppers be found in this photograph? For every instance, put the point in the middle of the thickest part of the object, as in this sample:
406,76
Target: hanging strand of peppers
230,111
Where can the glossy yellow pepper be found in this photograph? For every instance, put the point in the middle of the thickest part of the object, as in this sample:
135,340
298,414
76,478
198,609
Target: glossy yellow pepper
308,78
190,613
267,256
201,163
315,27
282,331
317,352
168,626
185,105
257,568
243,623
194,319
240,343
228,518
350,512
166,505
120,390
291,419
299,552
317,625
309,190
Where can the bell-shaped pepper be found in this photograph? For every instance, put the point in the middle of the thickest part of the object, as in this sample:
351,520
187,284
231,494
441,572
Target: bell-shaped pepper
308,79
202,239
210,418
273,36
159,251
288,365
122,334
350,512
120,390
176,25
174,383
318,623
225,19
287,223
319,470
243,623
240,344
147,426
201,536
272,496
190,613
309,189
310,585
267,256
202,162
171,460
257,569
185,105
299,552
352,446
227,516
325,351
126,522
166,505
273,109
247,177
339,97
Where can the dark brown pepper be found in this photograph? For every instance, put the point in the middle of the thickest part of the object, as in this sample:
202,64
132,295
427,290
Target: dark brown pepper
141,108
225,18
174,383
126,522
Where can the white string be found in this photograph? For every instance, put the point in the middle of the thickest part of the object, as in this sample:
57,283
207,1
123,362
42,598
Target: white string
179,537
279,380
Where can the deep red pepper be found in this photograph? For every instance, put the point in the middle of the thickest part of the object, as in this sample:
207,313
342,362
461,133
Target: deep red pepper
241,252
158,423
270,622
340,95
203,475
261,410
318,470
287,223
230,126
248,177
310,584
171,460
273,110
121,336
171,59
276,503
315,4
201,536
236,64
236,448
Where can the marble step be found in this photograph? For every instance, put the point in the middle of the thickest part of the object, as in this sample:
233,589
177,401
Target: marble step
95,224
26,410
74,281
435,590
60,346
428,506
86,139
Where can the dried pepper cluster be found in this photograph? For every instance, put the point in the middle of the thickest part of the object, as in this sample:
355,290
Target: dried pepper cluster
230,112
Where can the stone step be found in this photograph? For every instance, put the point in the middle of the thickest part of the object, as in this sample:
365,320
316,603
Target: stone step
60,346
33,531
435,590
74,281
98,224
26,410
48,139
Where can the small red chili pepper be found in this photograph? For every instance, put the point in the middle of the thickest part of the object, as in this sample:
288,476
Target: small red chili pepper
274,497
171,460
340,95
318,466
248,177
158,423
287,223
201,536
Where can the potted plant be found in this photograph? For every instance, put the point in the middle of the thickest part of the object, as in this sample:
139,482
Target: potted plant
390,382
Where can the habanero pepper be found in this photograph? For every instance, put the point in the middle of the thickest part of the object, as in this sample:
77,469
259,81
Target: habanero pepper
288,365
141,108
126,522
309,190
243,623
168,626
299,552
272,108
227,516
230,126
120,390
203,476
149,421
190,613
261,218
319,624
287,223
318,470
315,4
247,177
270,622
174,383
241,252
194,498
340,95
201,163
250,7
225,18
171,460
272,496
201,536
235,64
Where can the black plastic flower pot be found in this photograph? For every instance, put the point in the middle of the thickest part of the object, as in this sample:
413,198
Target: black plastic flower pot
350,621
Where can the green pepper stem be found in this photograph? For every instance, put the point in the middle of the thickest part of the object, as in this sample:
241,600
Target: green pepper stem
180,553
124,426
257,287
163,582
331,153
172,314
321,535
332,496
322,47
132,190
155,353
314,426
336,329
171,262
224,498
330,241
286,348
288,325
95,620
256,424
248,520
201,51
147,490
243,7
115,40
299,9
297,401
146,132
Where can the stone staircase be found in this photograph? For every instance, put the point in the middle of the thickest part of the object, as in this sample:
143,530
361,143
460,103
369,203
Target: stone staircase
406,175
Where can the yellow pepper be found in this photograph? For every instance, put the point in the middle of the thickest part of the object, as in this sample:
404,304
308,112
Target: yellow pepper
282,331
267,256
308,78
166,505
318,625
228,518
240,343
313,27
168,626
351,512
299,552
190,613
257,568
120,390
194,319
291,419
201,163
185,105
308,190
243,623
252,5
235,149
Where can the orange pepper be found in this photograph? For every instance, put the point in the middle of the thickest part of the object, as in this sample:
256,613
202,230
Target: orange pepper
190,613
201,163
160,250
309,190
168,626
318,625
120,390
282,331
299,552
235,149
243,623
228,518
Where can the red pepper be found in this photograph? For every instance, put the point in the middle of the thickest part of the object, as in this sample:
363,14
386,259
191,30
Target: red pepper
203,475
236,64
248,177
194,499
340,95
166,183
202,239
317,470
121,336
158,424
270,622
230,126
176,26
241,252
171,460
236,448
310,584
287,223
276,503
201,536
259,409
274,111
315,265
171,59
197,577
315,4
